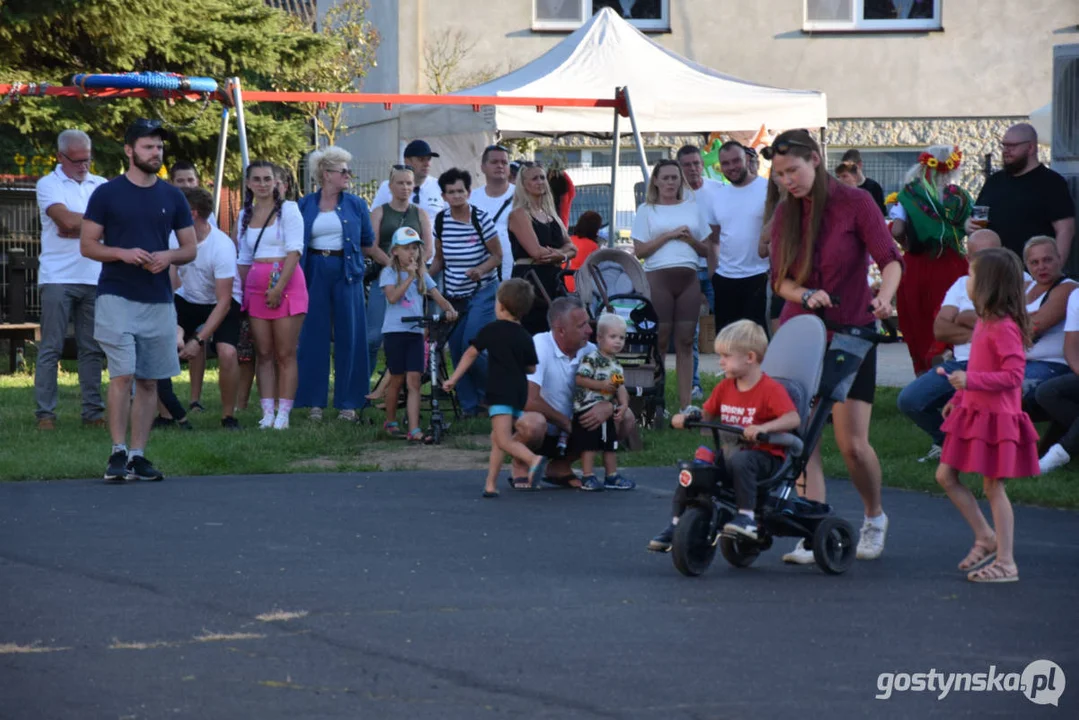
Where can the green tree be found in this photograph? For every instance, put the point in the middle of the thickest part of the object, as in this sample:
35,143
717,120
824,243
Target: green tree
353,42
52,40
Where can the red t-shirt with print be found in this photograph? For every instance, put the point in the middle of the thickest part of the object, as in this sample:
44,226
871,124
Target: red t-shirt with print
762,403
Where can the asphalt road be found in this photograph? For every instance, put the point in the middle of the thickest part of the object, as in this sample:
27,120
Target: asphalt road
413,598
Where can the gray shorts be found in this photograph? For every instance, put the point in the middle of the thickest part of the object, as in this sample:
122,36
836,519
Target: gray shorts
138,338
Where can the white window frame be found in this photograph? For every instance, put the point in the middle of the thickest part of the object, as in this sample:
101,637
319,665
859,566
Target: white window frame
858,24
661,24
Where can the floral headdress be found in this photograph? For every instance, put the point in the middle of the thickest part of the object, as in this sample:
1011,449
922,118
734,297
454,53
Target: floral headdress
941,166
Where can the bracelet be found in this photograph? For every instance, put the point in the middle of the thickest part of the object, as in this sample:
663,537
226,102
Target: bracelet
805,298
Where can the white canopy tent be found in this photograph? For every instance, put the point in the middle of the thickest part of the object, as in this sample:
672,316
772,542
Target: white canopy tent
1042,120
670,94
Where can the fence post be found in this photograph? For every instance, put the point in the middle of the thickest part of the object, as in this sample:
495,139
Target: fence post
17,290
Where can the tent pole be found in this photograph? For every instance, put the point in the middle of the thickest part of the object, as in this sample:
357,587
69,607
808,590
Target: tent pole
824,144
241,124
636,136
219,170
616,154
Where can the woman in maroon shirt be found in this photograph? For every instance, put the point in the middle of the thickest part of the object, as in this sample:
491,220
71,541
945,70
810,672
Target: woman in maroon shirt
823,235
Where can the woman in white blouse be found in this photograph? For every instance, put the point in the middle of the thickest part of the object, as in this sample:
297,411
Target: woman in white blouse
669,235
270,239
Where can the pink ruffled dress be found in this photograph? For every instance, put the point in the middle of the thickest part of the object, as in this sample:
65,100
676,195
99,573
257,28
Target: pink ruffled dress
988,432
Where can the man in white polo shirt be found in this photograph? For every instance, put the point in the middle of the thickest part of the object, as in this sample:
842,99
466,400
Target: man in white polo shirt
426,193
496,199
549,410
68,281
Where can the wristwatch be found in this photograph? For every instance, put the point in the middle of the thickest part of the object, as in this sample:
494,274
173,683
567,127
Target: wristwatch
805,298
200,341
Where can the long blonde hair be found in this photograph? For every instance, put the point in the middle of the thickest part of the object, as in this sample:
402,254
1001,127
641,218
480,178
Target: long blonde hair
521,198
652,196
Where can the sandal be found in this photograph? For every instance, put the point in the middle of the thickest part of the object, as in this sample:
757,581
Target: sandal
519,483
536,472
416,435
978,556
392,429
995,573
490,494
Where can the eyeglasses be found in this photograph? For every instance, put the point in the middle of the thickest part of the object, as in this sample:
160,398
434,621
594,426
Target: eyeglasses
783,147
81,161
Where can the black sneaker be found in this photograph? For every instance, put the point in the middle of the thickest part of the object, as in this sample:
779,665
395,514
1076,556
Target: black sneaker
742,525
162,422
139,468
185,424
662,542
116,472
230,423
196,406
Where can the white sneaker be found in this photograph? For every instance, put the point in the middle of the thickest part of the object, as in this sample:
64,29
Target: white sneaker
697,393
799,555
871,541
932,455
315,415
280,422
347,415
266,422
690,409
1055,457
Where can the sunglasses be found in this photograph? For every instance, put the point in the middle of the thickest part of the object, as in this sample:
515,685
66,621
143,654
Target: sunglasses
81,161
782,147
345,172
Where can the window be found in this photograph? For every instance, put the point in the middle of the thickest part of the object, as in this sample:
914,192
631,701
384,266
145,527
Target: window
571,14
872,15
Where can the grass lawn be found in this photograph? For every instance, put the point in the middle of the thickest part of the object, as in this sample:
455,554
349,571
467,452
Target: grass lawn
73,451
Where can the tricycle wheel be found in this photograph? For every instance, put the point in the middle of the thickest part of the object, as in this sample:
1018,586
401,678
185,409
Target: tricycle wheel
739,552
833,545
692,548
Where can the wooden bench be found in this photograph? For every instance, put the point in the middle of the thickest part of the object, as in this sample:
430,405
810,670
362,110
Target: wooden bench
17,334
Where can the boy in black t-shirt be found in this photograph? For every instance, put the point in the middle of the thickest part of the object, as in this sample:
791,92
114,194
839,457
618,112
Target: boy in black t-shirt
511,357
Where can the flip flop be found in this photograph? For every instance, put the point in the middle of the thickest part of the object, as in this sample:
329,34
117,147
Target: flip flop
519,483
536,472
563,482
978,556
994,574
490,494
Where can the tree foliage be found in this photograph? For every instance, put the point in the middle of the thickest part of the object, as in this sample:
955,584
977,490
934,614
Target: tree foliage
51,40
353,42
445,59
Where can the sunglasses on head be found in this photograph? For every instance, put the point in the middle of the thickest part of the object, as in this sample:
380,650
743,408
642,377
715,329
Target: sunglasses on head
400,167
782,147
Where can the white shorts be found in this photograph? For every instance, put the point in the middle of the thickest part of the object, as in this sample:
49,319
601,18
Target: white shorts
138,338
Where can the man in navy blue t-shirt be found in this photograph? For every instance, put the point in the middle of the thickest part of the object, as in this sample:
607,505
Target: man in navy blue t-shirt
126,228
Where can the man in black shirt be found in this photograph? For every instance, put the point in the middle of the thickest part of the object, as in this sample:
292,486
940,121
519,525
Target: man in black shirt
872,187
1026,198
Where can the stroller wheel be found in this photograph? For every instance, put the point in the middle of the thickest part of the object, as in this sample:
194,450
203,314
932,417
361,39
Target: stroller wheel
692,547
833,545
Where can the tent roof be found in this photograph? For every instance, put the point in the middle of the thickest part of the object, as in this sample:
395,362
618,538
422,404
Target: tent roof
669,93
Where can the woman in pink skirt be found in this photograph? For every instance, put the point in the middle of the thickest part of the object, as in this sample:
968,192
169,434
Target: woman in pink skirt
270,239
987,431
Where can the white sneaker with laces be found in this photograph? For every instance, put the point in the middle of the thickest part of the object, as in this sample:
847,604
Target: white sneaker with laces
280,422
932,455
266,422
315,414
1056,457
871,541
800,555
347,415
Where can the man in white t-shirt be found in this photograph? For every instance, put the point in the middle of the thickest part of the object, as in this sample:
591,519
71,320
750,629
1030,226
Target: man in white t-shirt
705,190
549,411
923,399
68,281
426,193
496,199
208,296
740,282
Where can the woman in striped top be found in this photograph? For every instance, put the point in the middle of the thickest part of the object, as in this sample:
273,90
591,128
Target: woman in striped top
469,254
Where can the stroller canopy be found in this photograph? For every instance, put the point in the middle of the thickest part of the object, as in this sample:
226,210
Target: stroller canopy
620,273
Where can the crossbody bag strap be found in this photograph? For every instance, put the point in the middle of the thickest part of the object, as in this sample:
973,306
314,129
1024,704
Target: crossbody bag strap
258,240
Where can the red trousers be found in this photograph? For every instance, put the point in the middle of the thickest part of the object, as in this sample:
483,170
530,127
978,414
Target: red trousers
926,278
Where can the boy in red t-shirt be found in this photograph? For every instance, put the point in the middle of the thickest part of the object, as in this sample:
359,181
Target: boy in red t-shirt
753,401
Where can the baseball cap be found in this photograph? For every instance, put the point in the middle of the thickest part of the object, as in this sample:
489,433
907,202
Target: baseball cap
419,148
144,128
405,236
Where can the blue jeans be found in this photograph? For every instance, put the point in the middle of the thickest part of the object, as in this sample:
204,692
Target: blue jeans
923,399
472,389
706,288
376,313
335,307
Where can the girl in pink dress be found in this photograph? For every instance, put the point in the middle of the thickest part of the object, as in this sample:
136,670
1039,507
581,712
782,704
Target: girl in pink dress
987,431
